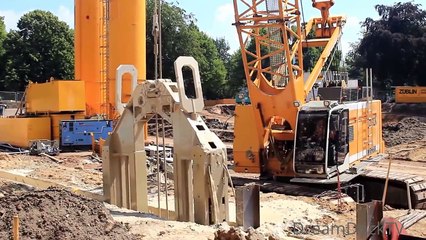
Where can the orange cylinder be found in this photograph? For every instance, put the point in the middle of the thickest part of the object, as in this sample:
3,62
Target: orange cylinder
127,42
88,47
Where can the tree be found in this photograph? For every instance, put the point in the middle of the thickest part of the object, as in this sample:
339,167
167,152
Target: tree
181,37
3,35
223,49
352,60
237,77
394,46
41,48
212,68
311,56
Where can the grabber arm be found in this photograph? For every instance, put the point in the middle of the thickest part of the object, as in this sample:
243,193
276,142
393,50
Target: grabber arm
201,183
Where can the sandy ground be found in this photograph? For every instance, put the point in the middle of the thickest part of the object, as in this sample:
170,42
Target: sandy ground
282,216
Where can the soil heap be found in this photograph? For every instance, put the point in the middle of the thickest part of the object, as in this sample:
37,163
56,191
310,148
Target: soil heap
405,131
58,214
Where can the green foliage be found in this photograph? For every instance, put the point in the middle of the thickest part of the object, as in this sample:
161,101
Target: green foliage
353,60
311,56
223,49
212,68
237,77
394,46
181,37
3,35
41,48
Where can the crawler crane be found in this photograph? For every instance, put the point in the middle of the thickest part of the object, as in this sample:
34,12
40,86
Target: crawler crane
283,133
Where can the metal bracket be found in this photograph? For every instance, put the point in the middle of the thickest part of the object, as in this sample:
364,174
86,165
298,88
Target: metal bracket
189,105
121,70
248,206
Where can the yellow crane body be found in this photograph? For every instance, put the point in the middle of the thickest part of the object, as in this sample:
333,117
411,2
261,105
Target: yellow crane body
55,97
272,40
20,131
55,101
356,130
335,137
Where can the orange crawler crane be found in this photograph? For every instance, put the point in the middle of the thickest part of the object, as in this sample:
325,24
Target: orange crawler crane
282,134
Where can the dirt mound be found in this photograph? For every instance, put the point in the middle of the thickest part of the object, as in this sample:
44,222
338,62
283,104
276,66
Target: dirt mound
58,214
405,131
226,232
229,234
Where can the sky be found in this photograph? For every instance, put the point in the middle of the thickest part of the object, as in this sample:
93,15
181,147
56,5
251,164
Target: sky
215,17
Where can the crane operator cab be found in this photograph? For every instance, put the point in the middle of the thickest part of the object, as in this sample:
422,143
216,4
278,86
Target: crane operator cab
321,140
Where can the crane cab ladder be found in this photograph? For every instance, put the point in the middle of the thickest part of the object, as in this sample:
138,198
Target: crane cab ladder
371,121
104,51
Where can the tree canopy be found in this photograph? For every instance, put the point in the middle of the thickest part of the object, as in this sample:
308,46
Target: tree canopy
3,35
394,46
41,48
181,37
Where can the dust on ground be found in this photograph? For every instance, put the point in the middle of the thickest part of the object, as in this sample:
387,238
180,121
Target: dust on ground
58,214
77,169
278,214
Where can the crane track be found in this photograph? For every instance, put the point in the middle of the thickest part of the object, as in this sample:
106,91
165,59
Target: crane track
373,182
280,187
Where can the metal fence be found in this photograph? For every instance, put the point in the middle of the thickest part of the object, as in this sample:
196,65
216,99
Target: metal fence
11,96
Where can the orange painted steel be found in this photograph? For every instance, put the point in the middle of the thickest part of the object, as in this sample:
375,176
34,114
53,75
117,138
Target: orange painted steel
55,96
273,88
408,94
20,131
127,43
272,30
108,34
87,44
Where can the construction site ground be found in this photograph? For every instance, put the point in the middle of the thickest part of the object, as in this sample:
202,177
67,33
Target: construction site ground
46,214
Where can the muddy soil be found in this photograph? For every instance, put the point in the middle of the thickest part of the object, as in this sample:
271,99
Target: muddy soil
407,130
58,214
